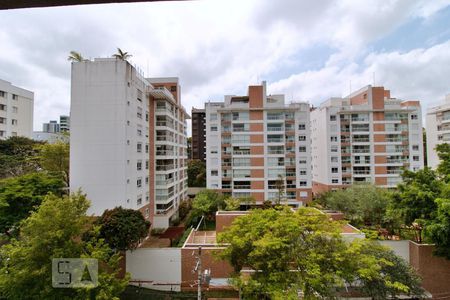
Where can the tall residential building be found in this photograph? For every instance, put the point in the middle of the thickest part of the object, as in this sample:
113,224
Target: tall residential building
64,123
198,134
365,137
258,146
438,129
128,140
16,111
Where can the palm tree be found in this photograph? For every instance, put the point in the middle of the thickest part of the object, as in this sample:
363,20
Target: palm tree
121,54
75,56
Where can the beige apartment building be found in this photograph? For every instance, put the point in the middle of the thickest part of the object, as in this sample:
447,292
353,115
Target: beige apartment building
258,146
367,136
16,111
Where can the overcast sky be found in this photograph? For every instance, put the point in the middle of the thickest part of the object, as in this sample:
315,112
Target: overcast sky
308,50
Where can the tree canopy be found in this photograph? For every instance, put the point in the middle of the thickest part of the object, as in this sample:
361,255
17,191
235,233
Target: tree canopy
17,156
304,251
123,228
362,204
196,173
75,56
55,231
19,196
54,158
122,54
207,202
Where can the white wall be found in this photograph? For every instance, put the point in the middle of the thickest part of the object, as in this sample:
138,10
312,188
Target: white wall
401,248
160,265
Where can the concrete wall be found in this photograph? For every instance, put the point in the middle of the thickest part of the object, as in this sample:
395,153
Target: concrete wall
401,248
160,265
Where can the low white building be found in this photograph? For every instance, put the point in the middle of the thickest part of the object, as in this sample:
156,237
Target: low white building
438,129
16,111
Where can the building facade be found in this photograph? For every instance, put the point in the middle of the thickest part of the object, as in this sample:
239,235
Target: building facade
365,137
16,111
51,127
438,130
64,123
198,134
258,146
127,140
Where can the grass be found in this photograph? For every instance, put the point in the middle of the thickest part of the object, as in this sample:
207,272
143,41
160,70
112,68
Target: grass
183,238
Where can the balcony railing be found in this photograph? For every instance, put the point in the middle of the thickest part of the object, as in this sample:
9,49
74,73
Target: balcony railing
164,167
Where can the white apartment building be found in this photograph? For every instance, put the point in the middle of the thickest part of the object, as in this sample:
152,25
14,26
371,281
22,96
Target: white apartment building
438,129
365,137
128,144
253,142
16,111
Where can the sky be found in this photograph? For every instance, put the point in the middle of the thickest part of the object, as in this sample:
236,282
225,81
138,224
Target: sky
307,50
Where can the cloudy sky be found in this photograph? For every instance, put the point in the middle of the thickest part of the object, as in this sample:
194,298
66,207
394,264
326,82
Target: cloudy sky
308,50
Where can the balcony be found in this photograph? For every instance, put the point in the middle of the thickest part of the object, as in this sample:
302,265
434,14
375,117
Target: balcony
164,167
161,93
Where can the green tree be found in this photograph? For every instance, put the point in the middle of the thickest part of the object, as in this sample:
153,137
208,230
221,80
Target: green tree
196,173
232,203
361,203
17,156
54,158
304,251
123,228
55,231
22,195
438,229
207,202
75,56
443,152
121,54
414,198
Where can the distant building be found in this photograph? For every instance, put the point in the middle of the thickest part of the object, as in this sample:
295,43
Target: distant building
198,134
258,146
128,143
16,111
438,129
365,137
64,123
50,137
51,127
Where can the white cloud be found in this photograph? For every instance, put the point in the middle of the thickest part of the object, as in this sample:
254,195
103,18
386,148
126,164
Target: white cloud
215,47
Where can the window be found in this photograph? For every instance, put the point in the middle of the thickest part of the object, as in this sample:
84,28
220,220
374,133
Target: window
213,117
302,171
173,88
415,147
3,94
303,194
146,164
146,179
241,173
333,138
15,97
213,128
301,126
139,95
2,107
2,133
139,132
302,160
303,183
334,159
334,148
139,147
146,116
139,182
334,180
302,138
416,158
139,200
147,214
147,198
146,148
332,117
139,112
414,117
139,165
2,120
302,149
334,170
214,173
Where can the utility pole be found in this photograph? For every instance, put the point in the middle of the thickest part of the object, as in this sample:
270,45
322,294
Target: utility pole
199,273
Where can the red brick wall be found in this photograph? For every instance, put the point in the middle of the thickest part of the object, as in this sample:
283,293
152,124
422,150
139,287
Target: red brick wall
434,270
219,268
